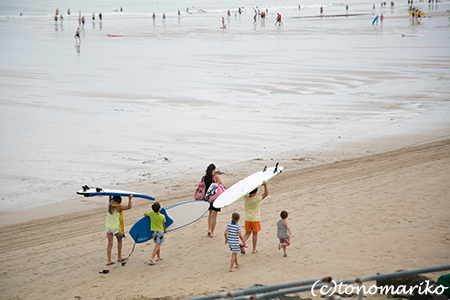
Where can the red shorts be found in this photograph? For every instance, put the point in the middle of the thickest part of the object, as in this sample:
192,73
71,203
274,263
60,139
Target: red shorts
252,226
285,241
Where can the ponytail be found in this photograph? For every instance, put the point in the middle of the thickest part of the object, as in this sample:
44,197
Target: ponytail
235,218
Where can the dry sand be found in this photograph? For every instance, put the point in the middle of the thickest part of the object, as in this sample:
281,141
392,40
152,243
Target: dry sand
366,208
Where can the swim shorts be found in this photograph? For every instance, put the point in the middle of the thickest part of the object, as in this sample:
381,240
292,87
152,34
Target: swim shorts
252,226
158,237
285,241
113,231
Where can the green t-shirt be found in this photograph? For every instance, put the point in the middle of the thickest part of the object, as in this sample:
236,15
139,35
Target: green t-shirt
156,221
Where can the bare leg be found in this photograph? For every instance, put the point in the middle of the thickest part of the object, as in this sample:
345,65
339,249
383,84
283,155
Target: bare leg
155,251
109,248
255,240
213,221
246,236
233,259
119,248
209,222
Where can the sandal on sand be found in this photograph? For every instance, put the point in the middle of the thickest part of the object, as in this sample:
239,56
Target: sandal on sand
151,263
111,263
243,245
160,259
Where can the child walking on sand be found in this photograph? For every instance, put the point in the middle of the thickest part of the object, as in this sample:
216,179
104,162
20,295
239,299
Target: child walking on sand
284,232
114,226
158,226
232,235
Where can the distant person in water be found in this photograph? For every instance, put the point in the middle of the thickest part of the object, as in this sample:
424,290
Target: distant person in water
278,21
223,23
321,11
68,11
77,36
100,16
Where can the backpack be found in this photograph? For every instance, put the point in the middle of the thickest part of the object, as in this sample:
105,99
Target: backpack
201,190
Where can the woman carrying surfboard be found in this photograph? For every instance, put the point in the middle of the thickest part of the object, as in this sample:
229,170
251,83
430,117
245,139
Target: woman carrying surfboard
114,225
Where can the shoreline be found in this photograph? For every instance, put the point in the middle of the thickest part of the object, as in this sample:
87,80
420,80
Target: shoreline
323,154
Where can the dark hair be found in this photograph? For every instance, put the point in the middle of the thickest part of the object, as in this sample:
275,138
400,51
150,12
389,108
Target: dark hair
235,217
254,191
284,214
209,169
156,206
111,208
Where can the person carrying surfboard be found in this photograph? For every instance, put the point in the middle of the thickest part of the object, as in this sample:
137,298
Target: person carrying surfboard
158,226
252,216
114,225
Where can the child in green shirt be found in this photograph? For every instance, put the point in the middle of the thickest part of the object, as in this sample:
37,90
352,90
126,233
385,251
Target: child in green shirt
158,226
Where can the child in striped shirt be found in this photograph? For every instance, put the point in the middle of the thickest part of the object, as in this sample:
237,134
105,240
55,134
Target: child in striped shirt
232,235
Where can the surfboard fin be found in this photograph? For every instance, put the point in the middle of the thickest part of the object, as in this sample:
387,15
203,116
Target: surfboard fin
276,168
264,169
85,188
98,189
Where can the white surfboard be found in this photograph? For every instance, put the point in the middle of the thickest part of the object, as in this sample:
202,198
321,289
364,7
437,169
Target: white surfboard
246,185
186,213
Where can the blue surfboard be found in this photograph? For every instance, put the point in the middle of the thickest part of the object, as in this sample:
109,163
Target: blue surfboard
140,232
374,20
97,191
177,216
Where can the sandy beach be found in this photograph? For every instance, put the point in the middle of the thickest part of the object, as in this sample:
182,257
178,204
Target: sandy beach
368,208
357,114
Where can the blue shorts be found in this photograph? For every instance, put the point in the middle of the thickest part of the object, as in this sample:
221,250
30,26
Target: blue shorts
158,237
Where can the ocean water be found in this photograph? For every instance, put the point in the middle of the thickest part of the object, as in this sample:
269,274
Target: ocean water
168,97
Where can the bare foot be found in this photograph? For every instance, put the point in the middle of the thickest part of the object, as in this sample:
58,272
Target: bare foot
232,270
